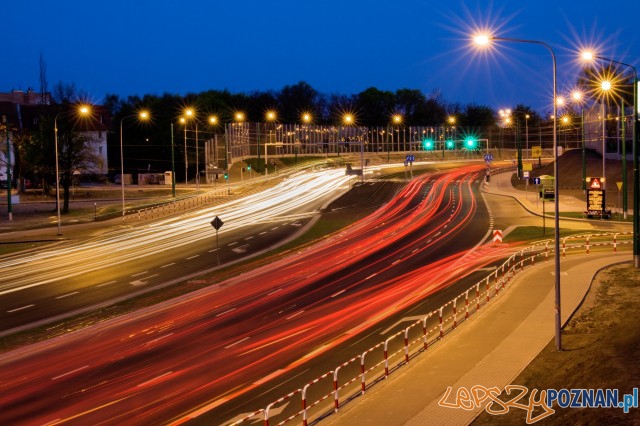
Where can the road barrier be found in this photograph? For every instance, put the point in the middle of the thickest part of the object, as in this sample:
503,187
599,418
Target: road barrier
355,376
174,206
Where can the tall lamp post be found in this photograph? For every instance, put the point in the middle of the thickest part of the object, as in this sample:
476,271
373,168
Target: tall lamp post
82,110
9,208
635,150
142,115
484,40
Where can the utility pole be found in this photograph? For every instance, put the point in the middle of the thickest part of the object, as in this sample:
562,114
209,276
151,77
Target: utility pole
9,208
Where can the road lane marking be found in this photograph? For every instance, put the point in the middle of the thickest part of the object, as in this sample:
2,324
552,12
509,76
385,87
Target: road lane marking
19,309
193,257
274,292
159,338
262,233
236,343
248,238
232,244
371,276
138,283
167,265
273,229
154,379
107,283
338,293
294,315
67,295
226,312
211,251
70,372
139,273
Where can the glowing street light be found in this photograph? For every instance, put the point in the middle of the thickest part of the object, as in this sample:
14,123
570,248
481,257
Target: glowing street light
590,56
484,40
143,116
82,110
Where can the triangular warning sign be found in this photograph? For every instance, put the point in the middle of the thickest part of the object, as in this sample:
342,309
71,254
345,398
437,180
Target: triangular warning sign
595,184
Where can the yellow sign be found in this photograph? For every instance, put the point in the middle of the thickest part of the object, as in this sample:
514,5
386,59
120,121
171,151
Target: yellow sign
619,186
527,167
536,151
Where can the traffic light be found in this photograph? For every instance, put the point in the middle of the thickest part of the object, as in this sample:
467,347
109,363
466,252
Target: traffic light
428,144
470,143
450,144
249,167
226,175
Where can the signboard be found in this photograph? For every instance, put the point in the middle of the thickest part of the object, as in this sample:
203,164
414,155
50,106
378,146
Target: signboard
410,158
497,235
488,157
525,174
536,151
595,202
536,181
217,223
595,183
619,186
527,167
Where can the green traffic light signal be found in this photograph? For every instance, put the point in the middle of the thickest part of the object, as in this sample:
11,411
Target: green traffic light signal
249,167
471,143
226,175
428,144
450,144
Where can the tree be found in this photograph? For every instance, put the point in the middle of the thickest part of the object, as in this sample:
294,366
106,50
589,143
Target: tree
375,107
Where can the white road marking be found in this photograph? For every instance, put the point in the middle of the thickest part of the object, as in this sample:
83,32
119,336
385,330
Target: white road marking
226,312
193,257
67,295
19,309
232,244
107,283
236,343
274,291
167,265
70,372
139,273
338,293
294,315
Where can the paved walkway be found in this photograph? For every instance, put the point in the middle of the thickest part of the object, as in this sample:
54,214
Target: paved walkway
490,350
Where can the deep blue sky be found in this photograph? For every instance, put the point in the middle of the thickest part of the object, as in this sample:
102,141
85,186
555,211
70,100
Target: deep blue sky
139,47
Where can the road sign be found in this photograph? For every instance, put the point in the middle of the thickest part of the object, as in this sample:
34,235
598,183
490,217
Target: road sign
596,182
525,174
536,151
527,167
217,223
488,157
536,181
497,235
619,186
410,158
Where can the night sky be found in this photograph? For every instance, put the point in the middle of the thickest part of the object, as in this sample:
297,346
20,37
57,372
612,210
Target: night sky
140,47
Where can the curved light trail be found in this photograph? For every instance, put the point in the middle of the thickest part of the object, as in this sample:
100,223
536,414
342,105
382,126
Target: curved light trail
175,360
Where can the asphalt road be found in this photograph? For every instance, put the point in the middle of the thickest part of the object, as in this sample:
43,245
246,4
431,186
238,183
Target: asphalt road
231,348
64,279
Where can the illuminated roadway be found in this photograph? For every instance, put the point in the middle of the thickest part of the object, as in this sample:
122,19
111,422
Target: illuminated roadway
73,275
206,354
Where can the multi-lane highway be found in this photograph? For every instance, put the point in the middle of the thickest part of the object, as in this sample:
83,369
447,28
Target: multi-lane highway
206,354
74,275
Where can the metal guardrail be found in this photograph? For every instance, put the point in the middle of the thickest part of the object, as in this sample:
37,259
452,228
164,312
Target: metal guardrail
322,396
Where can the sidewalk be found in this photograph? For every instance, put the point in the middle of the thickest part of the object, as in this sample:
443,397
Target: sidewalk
500,184
490,350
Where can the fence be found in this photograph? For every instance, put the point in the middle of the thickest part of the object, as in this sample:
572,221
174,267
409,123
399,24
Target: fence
174,206
325,395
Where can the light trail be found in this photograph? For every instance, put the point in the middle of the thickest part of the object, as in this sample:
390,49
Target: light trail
210,346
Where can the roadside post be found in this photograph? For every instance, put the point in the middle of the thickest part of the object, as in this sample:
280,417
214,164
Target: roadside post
217,224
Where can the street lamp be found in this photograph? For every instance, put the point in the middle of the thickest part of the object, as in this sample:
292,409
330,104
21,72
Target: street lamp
483,40
142,115
83,110
636,149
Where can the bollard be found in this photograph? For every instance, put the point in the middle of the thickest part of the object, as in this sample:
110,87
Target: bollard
478,296
440,318
455,311
588,243
466,304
